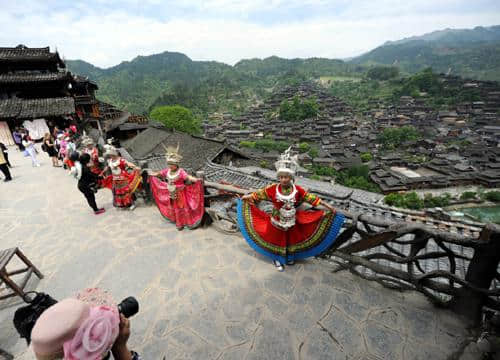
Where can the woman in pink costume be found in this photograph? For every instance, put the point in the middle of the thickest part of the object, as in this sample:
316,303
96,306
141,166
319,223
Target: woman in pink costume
179,196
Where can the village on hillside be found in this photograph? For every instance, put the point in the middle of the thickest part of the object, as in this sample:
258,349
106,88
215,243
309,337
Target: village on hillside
462,147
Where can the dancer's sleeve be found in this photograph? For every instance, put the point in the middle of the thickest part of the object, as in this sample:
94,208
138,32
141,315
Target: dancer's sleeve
263,194
308,197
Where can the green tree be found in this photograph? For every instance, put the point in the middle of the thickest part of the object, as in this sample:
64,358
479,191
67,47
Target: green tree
304,147
394,199
298,109
366,157
493,196
468,195
412,201
248,144
392,137
177,117
313,152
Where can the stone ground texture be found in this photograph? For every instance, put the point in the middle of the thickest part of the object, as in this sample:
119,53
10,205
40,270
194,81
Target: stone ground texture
205,295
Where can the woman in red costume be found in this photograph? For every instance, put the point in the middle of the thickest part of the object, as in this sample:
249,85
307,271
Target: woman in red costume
179,196
124,183
287,234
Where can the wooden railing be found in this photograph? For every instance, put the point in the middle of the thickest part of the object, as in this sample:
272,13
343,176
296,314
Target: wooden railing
462,275
457,271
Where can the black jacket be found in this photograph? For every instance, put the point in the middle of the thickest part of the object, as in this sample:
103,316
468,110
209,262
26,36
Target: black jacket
88,178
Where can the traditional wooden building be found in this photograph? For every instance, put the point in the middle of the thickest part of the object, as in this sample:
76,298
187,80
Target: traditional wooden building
34,85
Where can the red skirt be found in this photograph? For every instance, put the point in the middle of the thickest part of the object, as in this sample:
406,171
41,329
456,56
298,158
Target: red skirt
186,209
313,233
106,182
124,187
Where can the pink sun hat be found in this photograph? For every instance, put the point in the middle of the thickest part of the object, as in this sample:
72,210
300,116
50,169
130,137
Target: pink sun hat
80,328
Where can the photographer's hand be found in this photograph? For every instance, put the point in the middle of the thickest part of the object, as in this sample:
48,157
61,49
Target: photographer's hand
120,350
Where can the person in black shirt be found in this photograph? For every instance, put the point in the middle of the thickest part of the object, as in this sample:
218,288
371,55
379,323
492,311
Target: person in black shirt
87,183
3,148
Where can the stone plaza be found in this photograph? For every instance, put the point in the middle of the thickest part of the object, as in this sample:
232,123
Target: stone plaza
203,294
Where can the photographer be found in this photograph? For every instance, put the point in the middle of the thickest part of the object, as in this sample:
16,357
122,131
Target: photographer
87,183
89,326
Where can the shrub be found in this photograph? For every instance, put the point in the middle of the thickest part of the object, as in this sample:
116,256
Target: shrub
412,201
394,199
304,147
313,153
468,195
493,196
177,117
248,144
365,157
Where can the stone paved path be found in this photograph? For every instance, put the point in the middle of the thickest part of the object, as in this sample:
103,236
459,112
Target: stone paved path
205,295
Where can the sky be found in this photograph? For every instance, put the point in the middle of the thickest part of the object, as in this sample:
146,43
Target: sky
107,32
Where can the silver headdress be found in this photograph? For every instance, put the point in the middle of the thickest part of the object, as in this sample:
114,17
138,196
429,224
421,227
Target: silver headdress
287,163
172,155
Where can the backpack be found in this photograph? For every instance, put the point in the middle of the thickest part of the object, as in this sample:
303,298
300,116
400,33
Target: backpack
25,317
45,147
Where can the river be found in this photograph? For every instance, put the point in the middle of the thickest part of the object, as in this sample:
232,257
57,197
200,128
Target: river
485,213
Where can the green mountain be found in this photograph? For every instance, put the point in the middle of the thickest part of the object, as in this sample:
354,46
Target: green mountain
135,85
171,78
471,53
203,86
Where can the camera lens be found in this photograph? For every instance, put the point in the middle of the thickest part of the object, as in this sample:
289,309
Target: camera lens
128,307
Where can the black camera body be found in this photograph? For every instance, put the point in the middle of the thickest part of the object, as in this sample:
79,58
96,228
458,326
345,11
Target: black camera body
128,307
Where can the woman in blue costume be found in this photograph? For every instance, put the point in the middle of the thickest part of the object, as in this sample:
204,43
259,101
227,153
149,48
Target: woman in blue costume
287,234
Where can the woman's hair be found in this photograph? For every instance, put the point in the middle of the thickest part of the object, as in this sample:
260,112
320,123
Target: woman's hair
84,159
46,136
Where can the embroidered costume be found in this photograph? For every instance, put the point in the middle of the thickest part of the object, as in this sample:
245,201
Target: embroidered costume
124,183
179,197
287,234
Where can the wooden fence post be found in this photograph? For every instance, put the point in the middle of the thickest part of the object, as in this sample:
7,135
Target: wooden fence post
481,272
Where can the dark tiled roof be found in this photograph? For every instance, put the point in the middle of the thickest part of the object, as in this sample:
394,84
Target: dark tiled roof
20,53
26,77
150,144
33,108
132,126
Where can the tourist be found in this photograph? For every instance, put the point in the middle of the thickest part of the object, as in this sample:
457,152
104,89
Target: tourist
70,148
87,183
287,234
76,169
124,183
3,148
4,168
18,138
29,145
63,144
86,326
180,199
50,148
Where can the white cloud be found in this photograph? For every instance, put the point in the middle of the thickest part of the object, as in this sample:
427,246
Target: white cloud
106,39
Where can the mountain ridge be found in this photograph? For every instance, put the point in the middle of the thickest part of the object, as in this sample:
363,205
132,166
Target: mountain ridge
146,81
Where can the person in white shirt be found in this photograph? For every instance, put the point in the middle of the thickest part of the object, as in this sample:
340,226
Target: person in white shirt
30,149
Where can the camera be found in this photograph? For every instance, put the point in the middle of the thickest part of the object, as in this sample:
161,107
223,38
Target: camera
128,307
